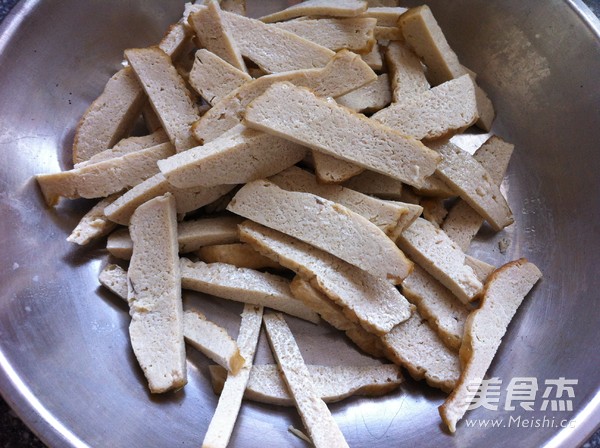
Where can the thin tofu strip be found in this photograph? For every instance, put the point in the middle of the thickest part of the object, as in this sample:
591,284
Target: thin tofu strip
236,254
103,178
331,384
474,184
375,184
371,301
242,156
221,426
244,285
431,248
406,72
481,269
331,170
167,92
387,33
324,224
385,15
440,112
373,58
94,223
317,419
484,330
213,78
334,130
335,8
272,49
344,72
356,34
154,295
369,98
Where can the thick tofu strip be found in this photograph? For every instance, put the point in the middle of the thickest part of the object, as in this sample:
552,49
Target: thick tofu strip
473,184
371,301
324,224
484,330
335,8
356,34
406,72
373,58
167,92
331,384
244,285
463,221
369,98
315,415
331,170
334,130
388,33
154,295
213,78
344,72
435,252
221,426
102,179
243,155
94,223
375,184
236,254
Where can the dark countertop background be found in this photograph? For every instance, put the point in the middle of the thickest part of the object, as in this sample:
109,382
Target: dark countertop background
14,434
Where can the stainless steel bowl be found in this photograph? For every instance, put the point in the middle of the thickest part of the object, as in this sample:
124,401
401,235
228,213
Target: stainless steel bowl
65,361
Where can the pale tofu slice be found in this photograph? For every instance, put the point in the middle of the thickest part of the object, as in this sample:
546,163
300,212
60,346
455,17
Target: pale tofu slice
463,222
214,78
373,58
388,33
434,186
344,72
371,301
154,295
334,316
244,285
167,92
335,130
332,383
435,252
369,98
385,15
103,178
434,210
213,35
94,223
331,170
317,418
376,184
223,420
324,224
236,254
443,311
272,49
391,218
151,120
481,269
407,74
465,175
334,8
440,112
120,210
356,34
484,330
242,156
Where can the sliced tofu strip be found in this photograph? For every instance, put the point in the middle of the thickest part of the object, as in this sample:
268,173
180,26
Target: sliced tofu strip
473,184
418,348
434,186
434,210
212,34
481,269
406,72
236,254
154,295
440,112
167,92
94,223
334,130
332,384
391,218
375,184
272,49
151,120
242,156
435,252
223,420
388,33
356,34
371,301
213,78
443,311
244,285
344,72
317,419
103,178
324,224
335,8
484,330
385,15
121,210
205,336
373,58
369,98
463,222
331,170
334,316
